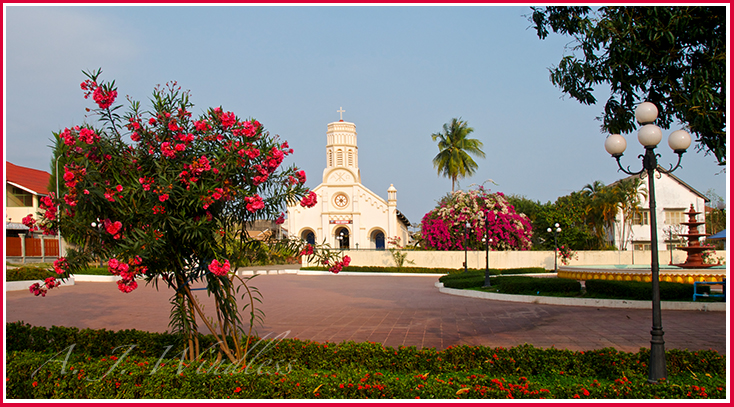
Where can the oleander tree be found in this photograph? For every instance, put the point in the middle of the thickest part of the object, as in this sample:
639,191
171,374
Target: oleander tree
166,197
489,215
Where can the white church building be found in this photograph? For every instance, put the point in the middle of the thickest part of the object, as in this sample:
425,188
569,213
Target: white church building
348,215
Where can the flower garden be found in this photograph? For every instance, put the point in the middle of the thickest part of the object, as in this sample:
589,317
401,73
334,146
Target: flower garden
69,363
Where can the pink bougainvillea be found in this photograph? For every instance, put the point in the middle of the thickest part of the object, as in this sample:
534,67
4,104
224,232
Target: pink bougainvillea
489,215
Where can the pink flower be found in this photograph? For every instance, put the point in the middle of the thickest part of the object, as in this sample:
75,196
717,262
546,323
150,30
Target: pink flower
127,286
30,222
119,188
252,153
346,260
163,197
88,136
309,201
280,220
307,251
202,126
104,98
61,265
254,203
219,269
36,290
228,120
51,282
301,175
112,228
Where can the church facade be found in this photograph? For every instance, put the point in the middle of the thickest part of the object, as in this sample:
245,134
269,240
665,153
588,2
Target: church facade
348,215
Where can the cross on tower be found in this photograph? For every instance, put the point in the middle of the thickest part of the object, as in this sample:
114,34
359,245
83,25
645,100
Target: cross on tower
340,111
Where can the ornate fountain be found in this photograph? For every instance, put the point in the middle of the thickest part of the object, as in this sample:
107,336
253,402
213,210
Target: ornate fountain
694,248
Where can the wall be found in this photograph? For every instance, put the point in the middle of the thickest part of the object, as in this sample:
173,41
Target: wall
509,259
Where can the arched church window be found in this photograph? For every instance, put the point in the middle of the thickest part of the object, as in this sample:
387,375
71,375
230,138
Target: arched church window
339,158
350,158
331,159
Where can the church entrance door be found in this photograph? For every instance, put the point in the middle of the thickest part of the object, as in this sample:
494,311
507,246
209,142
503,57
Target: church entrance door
380,241
342,238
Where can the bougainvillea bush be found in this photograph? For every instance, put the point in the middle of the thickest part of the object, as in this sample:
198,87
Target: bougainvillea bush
489,216
166,197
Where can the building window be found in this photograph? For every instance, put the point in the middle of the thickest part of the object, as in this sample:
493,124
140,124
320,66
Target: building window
339,158
19,197
350,158
674,216
641,246
331,159
641,218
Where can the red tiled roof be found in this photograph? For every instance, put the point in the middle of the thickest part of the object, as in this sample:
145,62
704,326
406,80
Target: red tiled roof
34,180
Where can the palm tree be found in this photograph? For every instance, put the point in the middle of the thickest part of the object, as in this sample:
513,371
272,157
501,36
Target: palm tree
454,147
601,209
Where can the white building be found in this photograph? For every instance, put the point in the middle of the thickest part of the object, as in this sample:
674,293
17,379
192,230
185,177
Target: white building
673,198
348,215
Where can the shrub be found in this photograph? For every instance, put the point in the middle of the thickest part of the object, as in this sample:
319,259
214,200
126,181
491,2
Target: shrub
489,215
635,290
533,285
28,273
471,273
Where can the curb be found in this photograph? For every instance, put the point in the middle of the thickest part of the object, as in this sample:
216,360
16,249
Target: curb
585,302
24,284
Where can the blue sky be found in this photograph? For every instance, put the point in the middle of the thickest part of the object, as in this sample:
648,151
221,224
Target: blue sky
400,73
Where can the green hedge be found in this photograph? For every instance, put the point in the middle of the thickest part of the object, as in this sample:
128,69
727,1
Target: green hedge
635,290
24,273
96,368
479,273
534,285
514,284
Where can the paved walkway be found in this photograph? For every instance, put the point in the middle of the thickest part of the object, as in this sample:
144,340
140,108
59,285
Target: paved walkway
395,311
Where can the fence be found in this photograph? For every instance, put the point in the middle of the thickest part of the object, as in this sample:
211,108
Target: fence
510,259
32,247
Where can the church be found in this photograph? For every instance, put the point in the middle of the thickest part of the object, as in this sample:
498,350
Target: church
348,215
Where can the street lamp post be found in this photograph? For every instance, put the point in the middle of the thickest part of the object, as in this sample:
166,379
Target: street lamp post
649,135
556,230
58,208
466,237
340,238
487,240
98,226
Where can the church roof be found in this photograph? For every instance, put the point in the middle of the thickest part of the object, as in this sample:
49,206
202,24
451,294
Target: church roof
403,219
680,181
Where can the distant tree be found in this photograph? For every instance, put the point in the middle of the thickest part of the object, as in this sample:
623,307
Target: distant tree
525,206
570,213
672,56
601,208
716,217
453,159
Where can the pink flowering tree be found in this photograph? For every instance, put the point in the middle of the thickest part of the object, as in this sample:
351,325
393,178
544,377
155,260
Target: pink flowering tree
166,198
488,214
